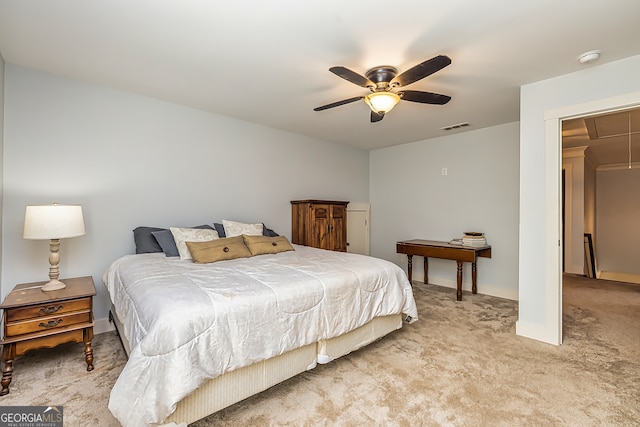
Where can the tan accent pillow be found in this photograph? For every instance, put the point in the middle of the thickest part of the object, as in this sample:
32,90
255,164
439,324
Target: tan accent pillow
259,245
218,250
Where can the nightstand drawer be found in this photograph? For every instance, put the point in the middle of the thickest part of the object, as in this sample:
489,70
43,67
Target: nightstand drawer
49,309
49,341
46,323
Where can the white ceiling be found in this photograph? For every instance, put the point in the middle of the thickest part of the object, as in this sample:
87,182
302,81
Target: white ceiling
267,61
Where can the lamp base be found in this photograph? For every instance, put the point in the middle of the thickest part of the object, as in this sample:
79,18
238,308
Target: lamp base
53,285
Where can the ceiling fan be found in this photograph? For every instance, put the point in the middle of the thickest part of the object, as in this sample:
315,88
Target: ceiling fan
381,80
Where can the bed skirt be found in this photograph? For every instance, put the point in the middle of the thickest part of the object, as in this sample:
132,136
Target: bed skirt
232,387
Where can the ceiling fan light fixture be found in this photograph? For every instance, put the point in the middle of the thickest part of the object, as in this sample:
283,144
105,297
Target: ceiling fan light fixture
382,102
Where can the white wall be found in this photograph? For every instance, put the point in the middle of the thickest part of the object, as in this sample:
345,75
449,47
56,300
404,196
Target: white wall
1,153
573,164
589,196
618,221
539,183
590,204
410,198
132,160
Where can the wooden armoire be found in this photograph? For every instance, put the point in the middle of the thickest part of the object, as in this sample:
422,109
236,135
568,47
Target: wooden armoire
319,223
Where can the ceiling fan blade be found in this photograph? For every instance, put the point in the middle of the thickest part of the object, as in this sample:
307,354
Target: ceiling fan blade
424,97
422,70
376,117
339,103
352,76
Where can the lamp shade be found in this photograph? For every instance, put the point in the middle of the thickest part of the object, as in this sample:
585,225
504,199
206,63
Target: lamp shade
382,102
53,222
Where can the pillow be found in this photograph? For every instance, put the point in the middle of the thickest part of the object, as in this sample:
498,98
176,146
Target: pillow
259,245
220,229
265,231
144,240
233,228
167,242
218,250
182,235
268,232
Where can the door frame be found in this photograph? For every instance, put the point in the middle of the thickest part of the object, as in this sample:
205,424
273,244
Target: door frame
553,221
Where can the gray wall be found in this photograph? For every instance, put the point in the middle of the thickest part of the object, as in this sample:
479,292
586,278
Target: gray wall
132,160
410,198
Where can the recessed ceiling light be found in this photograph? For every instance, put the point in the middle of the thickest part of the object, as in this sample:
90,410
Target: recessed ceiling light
587,57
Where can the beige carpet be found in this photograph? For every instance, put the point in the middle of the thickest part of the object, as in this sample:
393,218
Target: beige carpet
460,365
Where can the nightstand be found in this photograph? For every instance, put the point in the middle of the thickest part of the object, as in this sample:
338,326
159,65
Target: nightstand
35,319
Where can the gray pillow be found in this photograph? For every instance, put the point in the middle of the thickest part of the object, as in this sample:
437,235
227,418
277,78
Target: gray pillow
268,232
166,242
144,240
220,229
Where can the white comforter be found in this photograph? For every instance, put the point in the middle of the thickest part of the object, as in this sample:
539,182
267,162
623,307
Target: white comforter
191,322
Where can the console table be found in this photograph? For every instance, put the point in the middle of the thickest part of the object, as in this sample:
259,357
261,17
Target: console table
444,250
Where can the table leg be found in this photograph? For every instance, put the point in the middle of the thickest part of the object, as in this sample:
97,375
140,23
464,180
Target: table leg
474,278
88,350
459,292
426,270
410,268
8,354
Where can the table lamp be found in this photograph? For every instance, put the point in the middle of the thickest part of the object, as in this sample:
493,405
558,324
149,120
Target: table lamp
53,222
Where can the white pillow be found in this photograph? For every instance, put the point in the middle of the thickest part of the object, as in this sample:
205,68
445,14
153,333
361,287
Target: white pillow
182,235
233,228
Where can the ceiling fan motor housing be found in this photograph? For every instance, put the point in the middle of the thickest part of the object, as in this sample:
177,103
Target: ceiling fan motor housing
382,76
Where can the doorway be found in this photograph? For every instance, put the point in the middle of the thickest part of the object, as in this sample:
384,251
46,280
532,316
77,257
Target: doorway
553,227
597,158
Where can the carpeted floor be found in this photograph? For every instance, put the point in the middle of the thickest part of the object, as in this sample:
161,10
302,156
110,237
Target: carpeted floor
461,364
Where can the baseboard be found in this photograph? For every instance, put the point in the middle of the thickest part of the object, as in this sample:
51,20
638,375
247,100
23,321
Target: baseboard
620,277
511,294
102,325
535,332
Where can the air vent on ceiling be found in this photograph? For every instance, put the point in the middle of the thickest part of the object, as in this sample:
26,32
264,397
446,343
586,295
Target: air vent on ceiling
457,126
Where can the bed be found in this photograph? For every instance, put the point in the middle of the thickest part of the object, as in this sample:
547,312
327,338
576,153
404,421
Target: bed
201,337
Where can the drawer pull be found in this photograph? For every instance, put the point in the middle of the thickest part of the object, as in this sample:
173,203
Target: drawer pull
51,309
50,323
